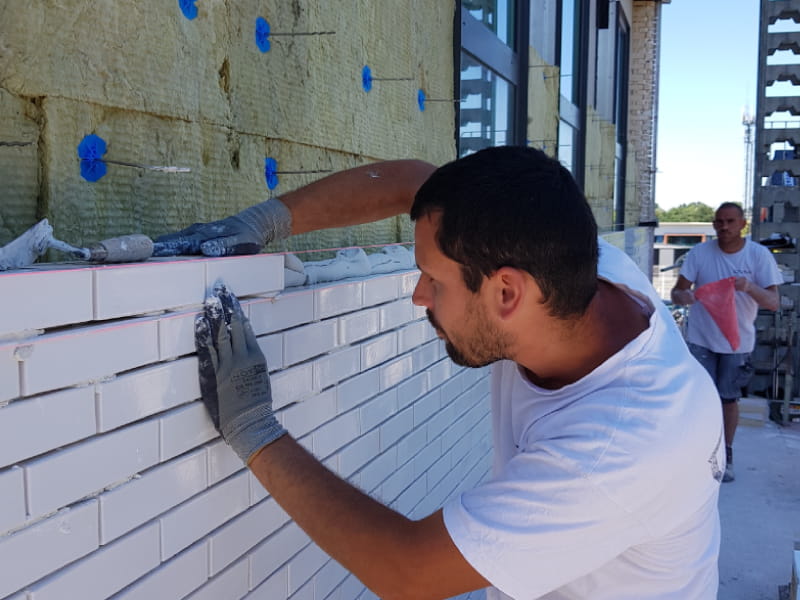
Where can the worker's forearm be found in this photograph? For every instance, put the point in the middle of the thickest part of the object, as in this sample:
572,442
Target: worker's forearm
359,195
768,299
391,554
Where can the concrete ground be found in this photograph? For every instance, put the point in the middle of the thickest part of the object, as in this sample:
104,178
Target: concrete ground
760,510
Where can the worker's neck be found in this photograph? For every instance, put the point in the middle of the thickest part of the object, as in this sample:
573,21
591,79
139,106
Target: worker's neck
732,245
611,321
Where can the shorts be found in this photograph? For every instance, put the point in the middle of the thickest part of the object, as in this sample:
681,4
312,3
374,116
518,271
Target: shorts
730,372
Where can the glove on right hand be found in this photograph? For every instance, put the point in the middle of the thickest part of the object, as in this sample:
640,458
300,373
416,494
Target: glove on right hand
244,233
234,381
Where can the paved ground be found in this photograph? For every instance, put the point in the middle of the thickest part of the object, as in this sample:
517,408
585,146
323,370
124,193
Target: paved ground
760,510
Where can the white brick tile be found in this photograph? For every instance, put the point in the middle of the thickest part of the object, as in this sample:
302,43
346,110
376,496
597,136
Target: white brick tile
302,343
9,372
426,407
420,312
408,281
337,298
12,491
408,502
68,358
412,387
247,275
411,445
303,417
176,334
439,373
36,425
185,428
380,289
335,434
378,350
238,536
396,371
229,585
137,501
378,410
174,579
282,312
378,470
336,367
396,427
222,462
328,578
397,482
44,547
354,391
275,587
350,589
303,566
38,307
414,335
425,356
358,453
292,385
257,491
106,571
92,465
192,520
136,289
272,347
146,391
396,314
276,551
359,325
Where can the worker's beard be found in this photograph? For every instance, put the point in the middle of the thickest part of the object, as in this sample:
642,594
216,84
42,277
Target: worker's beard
481,345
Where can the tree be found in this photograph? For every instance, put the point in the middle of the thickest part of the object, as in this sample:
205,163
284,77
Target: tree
697,212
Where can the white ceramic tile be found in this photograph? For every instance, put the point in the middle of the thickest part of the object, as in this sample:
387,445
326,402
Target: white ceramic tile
424,356
133,503
377,410
408,281
337,298
176,334
59,360
32,426
292,385
275,551
335,434
136,289
376,472
9,372
38,307
396,427
414,335
380,289
189,522
282,312
409,501
185,428
439,373
272,347
106,571
92,465
396,313
303,567
398,481
303,417
358,326
173,579
426,407
305,342
356,390
358,453
329,578
12,491
411,445
412,387
32,553
239,535
336,366
273,587
222,462
378,350
396,371
247,275
232,584
133,396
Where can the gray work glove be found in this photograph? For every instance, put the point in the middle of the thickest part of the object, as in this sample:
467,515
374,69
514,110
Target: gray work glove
234,381
246,232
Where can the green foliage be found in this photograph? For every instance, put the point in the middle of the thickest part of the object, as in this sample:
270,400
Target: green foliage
694,212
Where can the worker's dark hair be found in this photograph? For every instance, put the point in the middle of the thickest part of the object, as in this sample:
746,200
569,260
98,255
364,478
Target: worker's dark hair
730,205
515,207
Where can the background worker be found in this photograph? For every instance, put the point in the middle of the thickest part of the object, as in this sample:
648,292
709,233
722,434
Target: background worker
606,467
757,279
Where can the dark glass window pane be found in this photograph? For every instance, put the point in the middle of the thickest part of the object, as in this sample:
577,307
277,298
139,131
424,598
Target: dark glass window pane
497,15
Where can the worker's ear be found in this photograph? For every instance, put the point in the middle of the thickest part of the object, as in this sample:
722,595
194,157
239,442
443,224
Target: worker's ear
509,288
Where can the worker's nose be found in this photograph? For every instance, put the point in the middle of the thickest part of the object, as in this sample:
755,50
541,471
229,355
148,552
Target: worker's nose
421,295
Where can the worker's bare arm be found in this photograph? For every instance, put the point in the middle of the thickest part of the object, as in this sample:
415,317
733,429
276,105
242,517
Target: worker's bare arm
767,298
682,293
394,556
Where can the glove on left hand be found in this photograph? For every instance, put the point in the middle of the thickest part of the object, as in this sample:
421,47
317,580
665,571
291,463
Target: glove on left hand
234,381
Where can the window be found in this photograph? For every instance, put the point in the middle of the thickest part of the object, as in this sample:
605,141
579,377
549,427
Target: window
492,74
572,60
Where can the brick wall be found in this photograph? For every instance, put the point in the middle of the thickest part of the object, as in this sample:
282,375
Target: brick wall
113,481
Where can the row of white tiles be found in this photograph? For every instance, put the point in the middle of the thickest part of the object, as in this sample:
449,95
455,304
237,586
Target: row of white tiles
107,457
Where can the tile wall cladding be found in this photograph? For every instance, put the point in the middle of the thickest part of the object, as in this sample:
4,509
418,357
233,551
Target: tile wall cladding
111,472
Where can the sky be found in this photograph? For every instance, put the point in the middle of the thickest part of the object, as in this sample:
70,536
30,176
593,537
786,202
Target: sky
709,71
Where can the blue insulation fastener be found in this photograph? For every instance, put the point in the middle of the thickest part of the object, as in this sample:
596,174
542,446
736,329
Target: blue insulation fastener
262,34
90,151
188,8
271,172
366,78
421,99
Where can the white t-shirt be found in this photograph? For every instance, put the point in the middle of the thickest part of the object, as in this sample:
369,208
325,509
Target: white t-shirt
706,263
606,488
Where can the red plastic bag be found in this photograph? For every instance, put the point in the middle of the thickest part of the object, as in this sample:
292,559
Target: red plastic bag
718,298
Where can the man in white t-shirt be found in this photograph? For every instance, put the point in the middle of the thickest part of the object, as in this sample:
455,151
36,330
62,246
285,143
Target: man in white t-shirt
756,283
607,463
